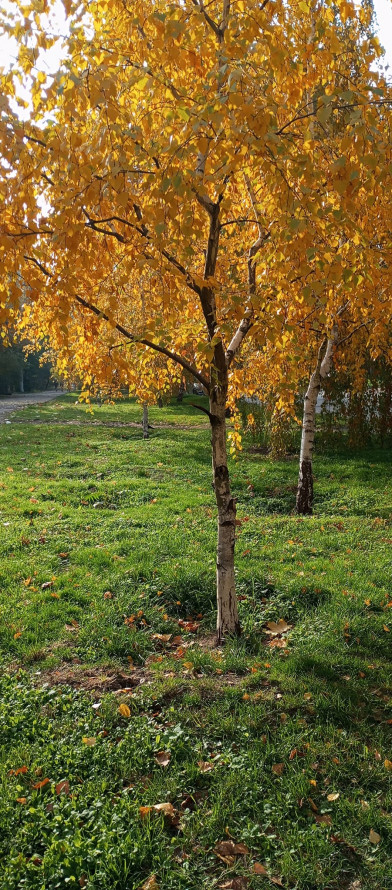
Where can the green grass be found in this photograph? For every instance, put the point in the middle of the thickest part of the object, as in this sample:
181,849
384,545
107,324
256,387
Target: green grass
88,505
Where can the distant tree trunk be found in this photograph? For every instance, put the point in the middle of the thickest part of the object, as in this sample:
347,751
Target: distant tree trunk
145,421
21,380
227,614
305,479
181,391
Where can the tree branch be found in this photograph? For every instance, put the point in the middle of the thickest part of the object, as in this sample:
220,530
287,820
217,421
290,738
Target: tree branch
144,342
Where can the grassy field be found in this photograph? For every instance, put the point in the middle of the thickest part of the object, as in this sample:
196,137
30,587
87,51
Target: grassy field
274,755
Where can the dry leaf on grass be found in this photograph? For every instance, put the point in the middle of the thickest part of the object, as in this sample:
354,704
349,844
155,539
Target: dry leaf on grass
124,710
163,758
166,809
62,787
275,628
325,819
278,769
205,766
333,796
235,884
228,850
259,869
374,838
150,884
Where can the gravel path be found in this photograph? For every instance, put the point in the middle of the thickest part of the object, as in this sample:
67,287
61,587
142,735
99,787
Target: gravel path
9,404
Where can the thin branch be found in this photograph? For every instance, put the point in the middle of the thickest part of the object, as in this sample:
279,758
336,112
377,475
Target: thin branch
133,339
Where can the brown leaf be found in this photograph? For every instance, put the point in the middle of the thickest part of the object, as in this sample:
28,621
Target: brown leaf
190,626
39,785
277,881
21,800
150,884
277,643
163,758
161,638
89,741
259,869
278,768
333,796
235,884
325,819
205,766
62,787
225,848
22,770
387,764
275,628
241,849
374,838
46,585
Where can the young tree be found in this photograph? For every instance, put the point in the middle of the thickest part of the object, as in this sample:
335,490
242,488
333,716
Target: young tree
175,139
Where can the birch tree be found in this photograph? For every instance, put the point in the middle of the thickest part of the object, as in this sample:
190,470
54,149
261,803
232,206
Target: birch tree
176,139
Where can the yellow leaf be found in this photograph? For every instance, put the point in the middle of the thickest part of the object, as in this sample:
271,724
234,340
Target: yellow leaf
124,710
374,838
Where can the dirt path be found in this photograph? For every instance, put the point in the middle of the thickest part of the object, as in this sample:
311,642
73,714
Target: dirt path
9,404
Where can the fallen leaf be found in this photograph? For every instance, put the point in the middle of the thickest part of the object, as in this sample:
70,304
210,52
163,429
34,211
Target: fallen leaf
62,787
277,881
333,796
374,838
205,766
41,784
277,627
278,768
161,638
190,626
325,819
163,758
235,884
277,643
384,627
47,584
63,555
108,595
89,741
124,710
387,764
22,770
150,884
21,800
241,849
259,869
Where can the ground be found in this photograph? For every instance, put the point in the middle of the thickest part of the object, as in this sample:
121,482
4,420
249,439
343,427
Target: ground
273,755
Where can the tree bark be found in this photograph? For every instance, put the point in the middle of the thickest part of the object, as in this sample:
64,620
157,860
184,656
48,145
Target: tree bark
227,612
145,421
304,502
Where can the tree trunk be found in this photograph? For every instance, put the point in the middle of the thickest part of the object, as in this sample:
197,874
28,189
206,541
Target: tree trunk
145,421
304,503
21,383
227,613
181,391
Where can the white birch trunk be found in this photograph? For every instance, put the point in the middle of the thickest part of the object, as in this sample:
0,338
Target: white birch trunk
145,421
304,502
227,612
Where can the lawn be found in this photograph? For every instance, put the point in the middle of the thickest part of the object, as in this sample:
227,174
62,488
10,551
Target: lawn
273,755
